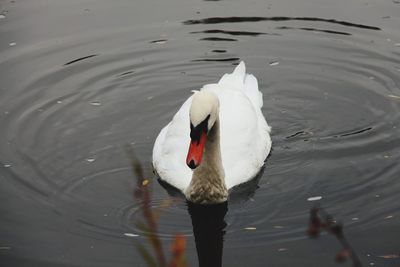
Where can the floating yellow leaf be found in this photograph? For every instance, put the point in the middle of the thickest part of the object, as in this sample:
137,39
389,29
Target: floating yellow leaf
394,96
145,182
393,256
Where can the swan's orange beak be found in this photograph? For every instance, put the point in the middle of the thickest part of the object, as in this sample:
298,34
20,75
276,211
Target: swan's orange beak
195,152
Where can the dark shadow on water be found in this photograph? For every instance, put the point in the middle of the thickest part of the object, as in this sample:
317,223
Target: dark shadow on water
125,73
219,51
356,132
158,41
307,134
313,30
234,33
80,59
218,39
216,59
216,20
209,229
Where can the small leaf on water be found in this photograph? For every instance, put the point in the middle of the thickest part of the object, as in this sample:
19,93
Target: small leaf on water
90,160
12,44
95,103
274,63
250,228
392,256
394,96
130,235
389,217
314,198
145,182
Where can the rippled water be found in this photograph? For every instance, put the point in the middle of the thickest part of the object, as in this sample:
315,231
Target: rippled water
80,81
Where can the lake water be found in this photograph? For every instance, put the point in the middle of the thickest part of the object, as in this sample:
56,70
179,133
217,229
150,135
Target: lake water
81,80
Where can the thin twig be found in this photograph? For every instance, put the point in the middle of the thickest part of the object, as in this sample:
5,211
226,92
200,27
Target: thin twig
142,193
321,220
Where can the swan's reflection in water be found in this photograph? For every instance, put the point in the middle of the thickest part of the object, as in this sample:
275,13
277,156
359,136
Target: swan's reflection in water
209,229
209,220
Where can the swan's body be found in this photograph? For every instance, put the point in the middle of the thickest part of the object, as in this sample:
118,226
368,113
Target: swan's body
237,139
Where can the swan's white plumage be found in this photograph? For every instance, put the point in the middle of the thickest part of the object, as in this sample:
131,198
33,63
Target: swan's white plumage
245,139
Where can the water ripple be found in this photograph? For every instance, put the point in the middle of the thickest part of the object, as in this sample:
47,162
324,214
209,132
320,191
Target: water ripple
79,59
216,20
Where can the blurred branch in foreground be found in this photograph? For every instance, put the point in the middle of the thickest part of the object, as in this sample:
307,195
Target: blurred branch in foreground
149,227
319,221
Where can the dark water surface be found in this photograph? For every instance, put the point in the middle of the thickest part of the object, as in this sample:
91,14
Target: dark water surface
79,80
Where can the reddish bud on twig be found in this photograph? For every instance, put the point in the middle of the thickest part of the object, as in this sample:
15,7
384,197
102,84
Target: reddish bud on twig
342,255
178,252
178,246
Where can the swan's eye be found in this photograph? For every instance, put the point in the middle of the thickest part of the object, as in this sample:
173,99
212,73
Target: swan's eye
195,132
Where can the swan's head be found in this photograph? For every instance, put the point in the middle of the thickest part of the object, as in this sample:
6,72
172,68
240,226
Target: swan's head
203,114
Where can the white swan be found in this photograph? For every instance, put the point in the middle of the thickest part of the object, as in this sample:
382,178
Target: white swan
220,133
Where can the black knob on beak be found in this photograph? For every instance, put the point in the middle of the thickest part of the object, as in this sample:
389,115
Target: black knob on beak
192,165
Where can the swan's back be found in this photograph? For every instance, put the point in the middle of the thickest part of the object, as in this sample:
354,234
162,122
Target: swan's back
245,140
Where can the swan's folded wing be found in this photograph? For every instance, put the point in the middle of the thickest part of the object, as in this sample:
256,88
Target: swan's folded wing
170,148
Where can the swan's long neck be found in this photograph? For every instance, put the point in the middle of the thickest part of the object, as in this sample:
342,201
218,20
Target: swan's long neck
208,181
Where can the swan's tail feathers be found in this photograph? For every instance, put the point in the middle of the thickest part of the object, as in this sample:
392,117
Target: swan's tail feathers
251,90
240,70
239,80
236,77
